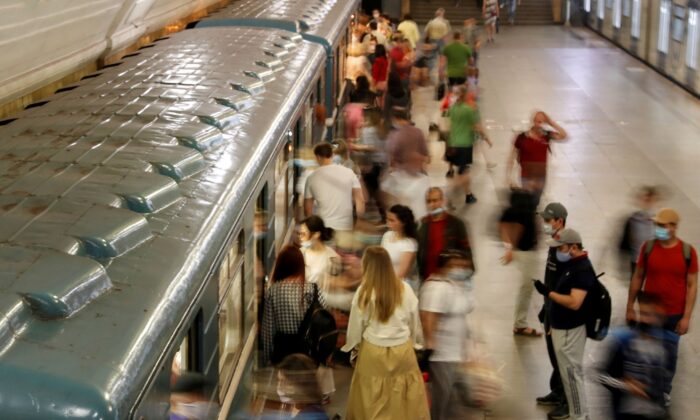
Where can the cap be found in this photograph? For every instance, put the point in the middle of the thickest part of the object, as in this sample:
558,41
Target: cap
667,215
554,211
565,237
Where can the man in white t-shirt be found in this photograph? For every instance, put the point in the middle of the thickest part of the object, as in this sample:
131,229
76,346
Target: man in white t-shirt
333,188
444,304
407,187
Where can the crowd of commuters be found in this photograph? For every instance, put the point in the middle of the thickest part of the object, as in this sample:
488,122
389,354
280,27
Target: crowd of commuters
403,301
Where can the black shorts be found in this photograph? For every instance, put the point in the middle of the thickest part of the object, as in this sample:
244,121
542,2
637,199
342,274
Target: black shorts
452,81
462,157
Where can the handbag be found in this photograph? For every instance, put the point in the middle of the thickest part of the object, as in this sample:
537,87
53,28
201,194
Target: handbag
440,91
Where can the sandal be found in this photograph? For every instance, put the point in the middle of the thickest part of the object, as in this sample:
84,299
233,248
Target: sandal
527,331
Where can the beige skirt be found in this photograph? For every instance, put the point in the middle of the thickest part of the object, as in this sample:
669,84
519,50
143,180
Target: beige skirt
387,385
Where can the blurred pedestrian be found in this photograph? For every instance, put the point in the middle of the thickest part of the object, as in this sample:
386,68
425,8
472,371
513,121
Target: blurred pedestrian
401,242
634,367
530,151
286,302
456,60
438,28
491,10
519,235
667,268
334,189
438,231
639,226
405,142
409,29
465,123
383,329
397,96
321,261
445,301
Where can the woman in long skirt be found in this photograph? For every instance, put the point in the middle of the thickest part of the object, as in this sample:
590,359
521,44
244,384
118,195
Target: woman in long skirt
384,326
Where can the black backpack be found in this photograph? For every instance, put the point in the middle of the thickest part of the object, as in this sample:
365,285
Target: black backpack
598,308
318,331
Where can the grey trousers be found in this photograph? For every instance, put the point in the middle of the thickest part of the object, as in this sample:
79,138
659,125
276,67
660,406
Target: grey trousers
568,347
527,264
443,377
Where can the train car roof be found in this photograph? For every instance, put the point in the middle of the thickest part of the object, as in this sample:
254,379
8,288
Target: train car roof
111,195
320,20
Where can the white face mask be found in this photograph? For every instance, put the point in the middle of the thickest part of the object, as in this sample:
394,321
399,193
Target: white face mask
438,211
548,229
306,244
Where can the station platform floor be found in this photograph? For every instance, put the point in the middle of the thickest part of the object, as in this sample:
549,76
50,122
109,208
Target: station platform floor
627,126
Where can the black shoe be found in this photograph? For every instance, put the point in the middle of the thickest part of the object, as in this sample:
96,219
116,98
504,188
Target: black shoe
450,173
549,399
561,412
470,199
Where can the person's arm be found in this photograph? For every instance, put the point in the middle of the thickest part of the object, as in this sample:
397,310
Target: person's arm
635,286
308,207
510,235
572,301
510,163
479,128
405,264
559,133
353,336
430,322
359,201
691,295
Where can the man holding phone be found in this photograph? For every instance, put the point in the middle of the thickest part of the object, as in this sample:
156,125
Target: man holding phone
568,319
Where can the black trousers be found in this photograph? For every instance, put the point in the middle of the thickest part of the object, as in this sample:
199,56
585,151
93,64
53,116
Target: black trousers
555,380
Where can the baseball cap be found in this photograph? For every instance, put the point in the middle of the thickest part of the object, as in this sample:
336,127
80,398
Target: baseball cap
565,237
554,211
667,215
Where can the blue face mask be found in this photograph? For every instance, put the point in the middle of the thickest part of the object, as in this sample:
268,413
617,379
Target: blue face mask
563,256
438,211
661,233
337,159
459,274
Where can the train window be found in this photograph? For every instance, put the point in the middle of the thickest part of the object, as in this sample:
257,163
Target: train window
282,212
230,328
664,25
609,3
601,9
678,26
617,14
587,5
636,29
691,47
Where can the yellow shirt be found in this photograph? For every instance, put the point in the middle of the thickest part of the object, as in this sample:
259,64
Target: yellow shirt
438,28
409,29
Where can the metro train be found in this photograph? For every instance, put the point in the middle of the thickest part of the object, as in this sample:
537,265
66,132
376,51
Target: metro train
316,21
133,206
663,33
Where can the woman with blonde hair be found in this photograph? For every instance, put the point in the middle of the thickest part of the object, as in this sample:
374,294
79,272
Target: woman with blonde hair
384,327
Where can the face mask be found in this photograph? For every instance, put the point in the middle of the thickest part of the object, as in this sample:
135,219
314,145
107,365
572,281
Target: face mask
438,211
563,256
459,274
306,244
337,159
662,233
548,229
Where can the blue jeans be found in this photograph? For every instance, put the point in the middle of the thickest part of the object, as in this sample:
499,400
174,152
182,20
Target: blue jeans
511,10
671,346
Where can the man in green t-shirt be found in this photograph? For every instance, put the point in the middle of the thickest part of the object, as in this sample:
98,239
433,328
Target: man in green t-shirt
456,59
465,124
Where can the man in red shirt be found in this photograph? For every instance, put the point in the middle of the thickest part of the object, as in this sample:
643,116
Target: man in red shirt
530,151
438,231
400,59
667,268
